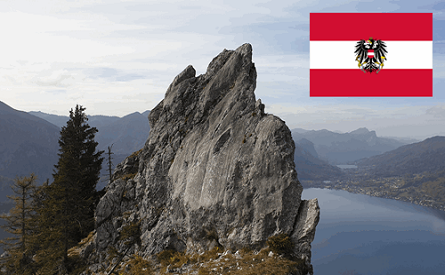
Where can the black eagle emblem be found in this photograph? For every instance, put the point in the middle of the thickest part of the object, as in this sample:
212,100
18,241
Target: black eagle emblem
371,54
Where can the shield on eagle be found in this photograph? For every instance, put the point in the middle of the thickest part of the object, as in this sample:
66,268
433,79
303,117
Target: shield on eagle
370,55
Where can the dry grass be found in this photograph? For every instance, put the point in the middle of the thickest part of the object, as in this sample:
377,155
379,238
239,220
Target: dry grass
216,261
249,264
75,250
276,259
137,266
281,244
134,154
128,176
131,233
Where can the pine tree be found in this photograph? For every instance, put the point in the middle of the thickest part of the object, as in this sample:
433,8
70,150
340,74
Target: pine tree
109,153
19,222
66,206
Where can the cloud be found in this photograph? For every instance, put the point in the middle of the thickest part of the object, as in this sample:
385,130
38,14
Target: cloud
125,54
56,91
111,74
437,111
56,79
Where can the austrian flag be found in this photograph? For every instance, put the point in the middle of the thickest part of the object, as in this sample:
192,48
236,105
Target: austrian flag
371,54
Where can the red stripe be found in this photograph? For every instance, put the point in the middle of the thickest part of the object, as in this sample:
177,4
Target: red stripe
355,83
383,26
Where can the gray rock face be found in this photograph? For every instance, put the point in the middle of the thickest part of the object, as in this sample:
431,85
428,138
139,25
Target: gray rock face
215,170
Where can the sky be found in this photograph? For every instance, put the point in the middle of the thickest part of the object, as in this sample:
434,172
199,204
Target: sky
119,57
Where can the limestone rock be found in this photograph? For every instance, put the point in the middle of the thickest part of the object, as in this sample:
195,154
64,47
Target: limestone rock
215,170
304,231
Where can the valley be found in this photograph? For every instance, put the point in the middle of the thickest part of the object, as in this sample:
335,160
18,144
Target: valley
426,189
391,168
413,172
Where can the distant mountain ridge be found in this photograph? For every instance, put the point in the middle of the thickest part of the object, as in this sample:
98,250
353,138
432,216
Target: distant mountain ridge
337,148
425,156
128,134
28,144
309,166
125,134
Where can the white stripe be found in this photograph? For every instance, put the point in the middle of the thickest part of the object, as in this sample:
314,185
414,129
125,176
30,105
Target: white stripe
401,55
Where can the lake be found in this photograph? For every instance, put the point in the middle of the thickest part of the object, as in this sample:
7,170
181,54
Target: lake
359,234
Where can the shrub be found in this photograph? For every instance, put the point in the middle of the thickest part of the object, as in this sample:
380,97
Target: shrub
138,266
212,235
281,244
173,258
164,257
131,233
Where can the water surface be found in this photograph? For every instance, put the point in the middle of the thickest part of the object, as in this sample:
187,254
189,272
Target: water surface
370,235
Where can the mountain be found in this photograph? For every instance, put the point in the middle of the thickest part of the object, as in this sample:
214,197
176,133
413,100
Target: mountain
307,147
94,121
338,148
309,166
53,119
28,145
126,135
299,130
215,173
416,158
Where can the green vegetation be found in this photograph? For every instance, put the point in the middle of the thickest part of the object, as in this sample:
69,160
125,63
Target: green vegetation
54,217
66,212
20,223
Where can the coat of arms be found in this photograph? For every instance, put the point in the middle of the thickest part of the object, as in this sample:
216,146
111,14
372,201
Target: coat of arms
370,55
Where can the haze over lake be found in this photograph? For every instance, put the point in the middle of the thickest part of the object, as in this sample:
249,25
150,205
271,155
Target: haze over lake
346,166
373,235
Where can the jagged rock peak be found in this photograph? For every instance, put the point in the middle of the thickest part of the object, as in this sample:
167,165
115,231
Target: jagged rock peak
215,171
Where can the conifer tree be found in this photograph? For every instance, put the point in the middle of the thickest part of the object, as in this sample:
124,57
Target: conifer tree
19,222
66,211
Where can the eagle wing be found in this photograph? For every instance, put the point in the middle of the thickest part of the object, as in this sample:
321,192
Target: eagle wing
360,51
380,51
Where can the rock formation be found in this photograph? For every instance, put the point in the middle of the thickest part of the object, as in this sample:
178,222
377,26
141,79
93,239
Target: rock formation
215,171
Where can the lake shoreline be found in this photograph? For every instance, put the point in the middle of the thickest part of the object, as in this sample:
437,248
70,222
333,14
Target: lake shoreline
339,185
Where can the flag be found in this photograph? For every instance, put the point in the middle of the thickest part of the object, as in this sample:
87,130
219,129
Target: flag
371,54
